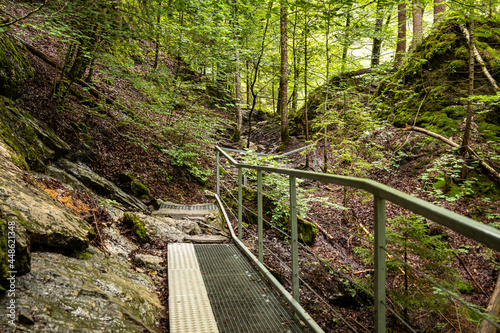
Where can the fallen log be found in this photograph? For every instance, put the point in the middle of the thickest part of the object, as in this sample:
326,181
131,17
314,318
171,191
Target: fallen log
472,153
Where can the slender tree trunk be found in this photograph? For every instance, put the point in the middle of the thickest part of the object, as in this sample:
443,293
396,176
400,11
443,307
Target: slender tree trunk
306,64
417,22
256,74
158,35
285,137
346,42
239,116
377,39
493,310
439,9
470,114
248,83
401,43
327,83
295,92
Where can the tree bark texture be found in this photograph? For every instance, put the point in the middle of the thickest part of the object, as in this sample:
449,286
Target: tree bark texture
377,39
239,115
493,310
439,9
401,43
417,22
470,111
285,137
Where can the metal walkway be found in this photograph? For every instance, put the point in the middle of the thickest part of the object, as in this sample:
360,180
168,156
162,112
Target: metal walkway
214,288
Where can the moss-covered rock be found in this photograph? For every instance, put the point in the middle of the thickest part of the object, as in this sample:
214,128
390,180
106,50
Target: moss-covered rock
33,141
139,189
307,231
429,87
15,69
126,177
132,221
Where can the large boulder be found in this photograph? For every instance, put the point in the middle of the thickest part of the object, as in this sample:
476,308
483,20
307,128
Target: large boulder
98,293
32,140
37,219
15,69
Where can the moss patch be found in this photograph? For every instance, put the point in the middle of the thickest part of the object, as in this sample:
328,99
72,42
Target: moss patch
139,189
132,221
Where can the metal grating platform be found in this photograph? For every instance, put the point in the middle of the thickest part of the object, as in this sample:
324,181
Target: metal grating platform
240,299
185,207
189,307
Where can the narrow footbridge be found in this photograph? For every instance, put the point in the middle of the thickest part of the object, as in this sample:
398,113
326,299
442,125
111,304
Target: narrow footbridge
225,288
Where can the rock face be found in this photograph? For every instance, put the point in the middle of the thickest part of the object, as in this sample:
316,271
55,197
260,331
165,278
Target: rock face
99,184
98,294
37,219
33,141
15,69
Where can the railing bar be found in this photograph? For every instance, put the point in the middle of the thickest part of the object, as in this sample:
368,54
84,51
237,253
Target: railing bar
480,232
450,294
399,317
312,253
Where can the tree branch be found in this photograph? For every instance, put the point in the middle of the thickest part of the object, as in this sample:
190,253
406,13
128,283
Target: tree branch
480,60
473,154
24,17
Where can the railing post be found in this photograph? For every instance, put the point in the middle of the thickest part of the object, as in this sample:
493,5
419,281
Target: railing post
240,202
218,172
315,161
295,244
259,215
379,260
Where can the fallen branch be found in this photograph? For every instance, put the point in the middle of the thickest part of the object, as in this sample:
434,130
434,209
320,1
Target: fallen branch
480,60
17,19
473,154
470,274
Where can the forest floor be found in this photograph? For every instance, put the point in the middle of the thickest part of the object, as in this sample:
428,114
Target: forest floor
340,233
112,144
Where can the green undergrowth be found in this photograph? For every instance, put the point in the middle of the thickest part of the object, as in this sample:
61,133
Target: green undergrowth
430,88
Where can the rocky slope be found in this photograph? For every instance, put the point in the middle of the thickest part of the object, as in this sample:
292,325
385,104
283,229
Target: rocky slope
71,256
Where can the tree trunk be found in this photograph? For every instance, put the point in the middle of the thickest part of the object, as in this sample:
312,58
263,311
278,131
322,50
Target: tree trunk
493,310
327,45
401,43
439,9
158,34
285,137
295,91
480,60
470,113
239,115
346,42
417,22
377,39
256,74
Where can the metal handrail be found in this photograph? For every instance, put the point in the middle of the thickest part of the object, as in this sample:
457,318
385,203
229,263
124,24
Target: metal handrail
472,229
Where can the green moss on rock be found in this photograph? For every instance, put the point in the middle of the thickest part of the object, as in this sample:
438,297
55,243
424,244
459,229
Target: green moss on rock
15,69
139,189
132,221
